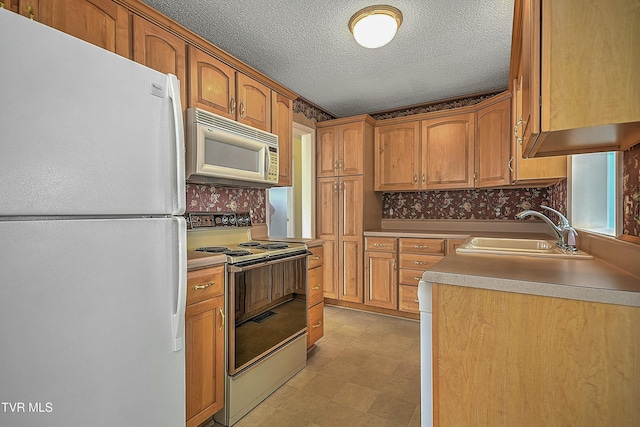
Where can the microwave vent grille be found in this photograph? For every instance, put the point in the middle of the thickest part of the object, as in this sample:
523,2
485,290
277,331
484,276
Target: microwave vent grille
227,125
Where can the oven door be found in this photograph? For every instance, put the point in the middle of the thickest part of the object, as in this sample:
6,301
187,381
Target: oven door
267,308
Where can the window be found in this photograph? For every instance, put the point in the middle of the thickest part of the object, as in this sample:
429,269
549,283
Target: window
593,187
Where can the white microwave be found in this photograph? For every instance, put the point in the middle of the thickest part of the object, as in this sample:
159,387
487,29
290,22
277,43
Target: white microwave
225,152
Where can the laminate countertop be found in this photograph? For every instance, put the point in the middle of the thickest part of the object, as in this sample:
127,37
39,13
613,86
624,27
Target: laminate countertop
579,279
196,260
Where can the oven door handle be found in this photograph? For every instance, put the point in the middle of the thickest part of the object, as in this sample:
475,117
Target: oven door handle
235,268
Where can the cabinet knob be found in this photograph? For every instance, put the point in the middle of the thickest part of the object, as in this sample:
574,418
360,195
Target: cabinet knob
221,323
379,245
415,178
421,246
424,178
315,288
241,109
417,278
509,164
317,325
232,105
420,263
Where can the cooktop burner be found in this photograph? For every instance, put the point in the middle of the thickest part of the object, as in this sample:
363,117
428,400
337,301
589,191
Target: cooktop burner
214,249
277,245
251,244
237,252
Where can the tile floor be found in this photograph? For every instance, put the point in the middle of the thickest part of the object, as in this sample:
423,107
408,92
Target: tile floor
365,371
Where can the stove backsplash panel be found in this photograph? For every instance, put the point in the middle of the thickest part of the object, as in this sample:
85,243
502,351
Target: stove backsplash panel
209,198
499,204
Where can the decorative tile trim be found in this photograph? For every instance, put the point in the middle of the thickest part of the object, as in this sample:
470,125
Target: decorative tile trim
631,191
310,112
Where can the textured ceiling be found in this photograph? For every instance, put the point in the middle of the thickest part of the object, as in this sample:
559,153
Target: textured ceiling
444,48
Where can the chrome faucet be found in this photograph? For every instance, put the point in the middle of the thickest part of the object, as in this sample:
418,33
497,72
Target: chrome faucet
565,232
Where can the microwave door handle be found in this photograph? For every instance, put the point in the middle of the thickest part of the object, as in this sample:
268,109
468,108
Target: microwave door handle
178,127
267,163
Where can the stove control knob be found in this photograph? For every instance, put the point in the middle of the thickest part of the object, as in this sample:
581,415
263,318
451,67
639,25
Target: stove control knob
225,220
232,219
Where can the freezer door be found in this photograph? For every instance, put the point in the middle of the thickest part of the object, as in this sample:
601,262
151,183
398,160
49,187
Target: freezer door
84,131
87,323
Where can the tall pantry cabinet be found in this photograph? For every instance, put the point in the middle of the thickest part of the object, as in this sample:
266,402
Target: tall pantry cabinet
346,202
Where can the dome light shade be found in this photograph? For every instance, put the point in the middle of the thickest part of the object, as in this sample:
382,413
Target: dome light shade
375,26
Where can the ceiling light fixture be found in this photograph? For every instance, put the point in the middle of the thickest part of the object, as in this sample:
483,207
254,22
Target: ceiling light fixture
375,26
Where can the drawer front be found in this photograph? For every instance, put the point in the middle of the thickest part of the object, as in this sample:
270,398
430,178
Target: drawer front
315,294
410,277
316,258
422,246
409,299
316,324
418,262
204,284
384,244
452,244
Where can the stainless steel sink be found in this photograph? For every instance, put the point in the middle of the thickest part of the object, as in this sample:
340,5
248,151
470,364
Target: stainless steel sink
526,247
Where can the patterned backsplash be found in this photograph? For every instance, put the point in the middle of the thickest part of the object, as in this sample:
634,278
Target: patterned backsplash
498,204
208,198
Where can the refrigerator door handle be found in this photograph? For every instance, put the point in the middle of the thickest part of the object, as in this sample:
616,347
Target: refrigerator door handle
177,320
173,86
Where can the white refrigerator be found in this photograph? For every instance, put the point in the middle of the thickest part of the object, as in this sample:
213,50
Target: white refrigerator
92,238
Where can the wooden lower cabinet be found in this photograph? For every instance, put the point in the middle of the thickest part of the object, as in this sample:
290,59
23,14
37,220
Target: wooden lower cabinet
408,299
509,359
204,344
315,297
381,273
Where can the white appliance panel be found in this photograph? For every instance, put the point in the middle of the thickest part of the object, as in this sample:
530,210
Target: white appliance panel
85,131
87,311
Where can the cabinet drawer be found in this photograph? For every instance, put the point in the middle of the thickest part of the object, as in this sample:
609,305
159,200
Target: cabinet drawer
315,294
316,258
409,299
452,244
386,244
316,324
410,277
422,246
204,284
419,262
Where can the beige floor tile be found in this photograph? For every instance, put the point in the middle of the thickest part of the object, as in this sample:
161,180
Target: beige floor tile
393,409
355,396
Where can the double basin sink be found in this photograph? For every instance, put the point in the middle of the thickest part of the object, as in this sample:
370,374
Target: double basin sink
523,247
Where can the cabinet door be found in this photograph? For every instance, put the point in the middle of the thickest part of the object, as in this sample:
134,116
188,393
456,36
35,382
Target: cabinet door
493,145
330,275
158,49
350,151
530,69
254,103
397,151
99,22
381,283
316,324
327,229
204,359
213,84
327,151
314,294
447,151
350,238
282,125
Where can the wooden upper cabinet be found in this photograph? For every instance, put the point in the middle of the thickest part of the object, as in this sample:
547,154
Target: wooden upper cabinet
218,88
213,84
282,125
99,22
447,151
397,152
158,49
28,8
327,151
350,149
254,103
340,150
580,81
493,145
542,171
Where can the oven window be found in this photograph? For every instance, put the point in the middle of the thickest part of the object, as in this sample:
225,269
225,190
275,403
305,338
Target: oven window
270,309
219,153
